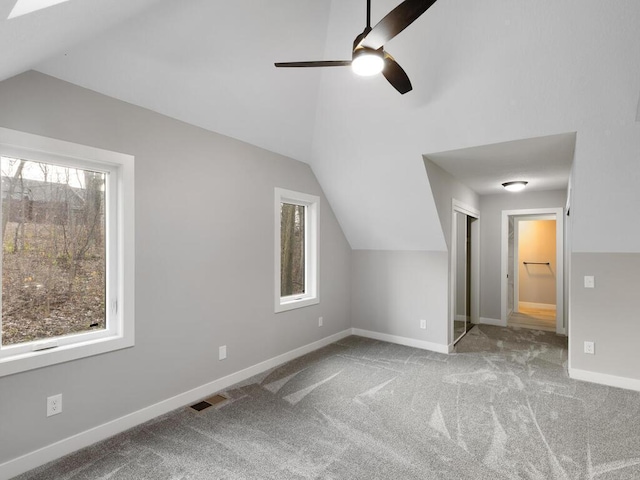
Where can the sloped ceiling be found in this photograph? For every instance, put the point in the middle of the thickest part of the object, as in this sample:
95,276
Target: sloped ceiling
210,63
27,40
483,73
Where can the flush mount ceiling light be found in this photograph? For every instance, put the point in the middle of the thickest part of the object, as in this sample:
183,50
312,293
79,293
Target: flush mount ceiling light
515,186
22,7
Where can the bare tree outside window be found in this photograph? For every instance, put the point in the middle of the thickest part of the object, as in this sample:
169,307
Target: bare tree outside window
292,245
53,251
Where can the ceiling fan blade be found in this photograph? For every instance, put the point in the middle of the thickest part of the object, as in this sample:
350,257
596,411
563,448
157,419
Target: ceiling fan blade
322,63
395,75
394,22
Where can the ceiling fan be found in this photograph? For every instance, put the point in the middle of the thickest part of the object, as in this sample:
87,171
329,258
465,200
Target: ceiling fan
369,57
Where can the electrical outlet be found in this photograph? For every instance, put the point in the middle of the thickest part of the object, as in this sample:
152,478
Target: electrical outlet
423,324
590,348
589,281
54,405
222,352
320,321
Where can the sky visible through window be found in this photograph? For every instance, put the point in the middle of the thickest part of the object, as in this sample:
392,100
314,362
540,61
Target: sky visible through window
35,171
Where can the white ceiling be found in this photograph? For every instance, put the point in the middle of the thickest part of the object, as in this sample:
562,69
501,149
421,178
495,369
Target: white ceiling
210,63
27,40
483,73
544,162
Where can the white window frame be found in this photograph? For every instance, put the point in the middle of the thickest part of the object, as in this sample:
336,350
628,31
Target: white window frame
311,250
120,247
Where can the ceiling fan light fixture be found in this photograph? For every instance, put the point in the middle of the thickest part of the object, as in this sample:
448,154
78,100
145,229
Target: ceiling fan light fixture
516,186
367,62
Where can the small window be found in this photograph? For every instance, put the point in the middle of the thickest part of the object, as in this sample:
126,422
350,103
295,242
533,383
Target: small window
296,216
64,279
292,249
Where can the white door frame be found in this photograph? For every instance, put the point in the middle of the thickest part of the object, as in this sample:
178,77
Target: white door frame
460,207
534,213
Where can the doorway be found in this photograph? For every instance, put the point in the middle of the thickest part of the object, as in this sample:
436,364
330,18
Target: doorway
532,269
465,263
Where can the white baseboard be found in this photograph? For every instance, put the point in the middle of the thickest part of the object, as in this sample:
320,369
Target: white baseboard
492,321
605,379
56,450
409,342
541,306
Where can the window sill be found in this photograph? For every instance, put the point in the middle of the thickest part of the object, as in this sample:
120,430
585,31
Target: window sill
65,353
292,304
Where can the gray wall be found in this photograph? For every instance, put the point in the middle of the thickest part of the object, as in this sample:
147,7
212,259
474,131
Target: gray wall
393,290
445,187
605,232
607,314
204,274
491,207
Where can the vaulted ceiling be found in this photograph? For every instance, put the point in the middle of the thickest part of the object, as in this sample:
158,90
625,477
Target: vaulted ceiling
482,72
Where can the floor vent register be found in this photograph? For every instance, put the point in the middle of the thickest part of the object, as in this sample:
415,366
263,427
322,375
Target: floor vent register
209,402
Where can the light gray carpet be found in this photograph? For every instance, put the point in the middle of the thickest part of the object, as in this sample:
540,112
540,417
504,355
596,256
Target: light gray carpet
502,407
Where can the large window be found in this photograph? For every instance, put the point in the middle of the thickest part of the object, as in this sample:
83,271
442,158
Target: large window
296,216
66,287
